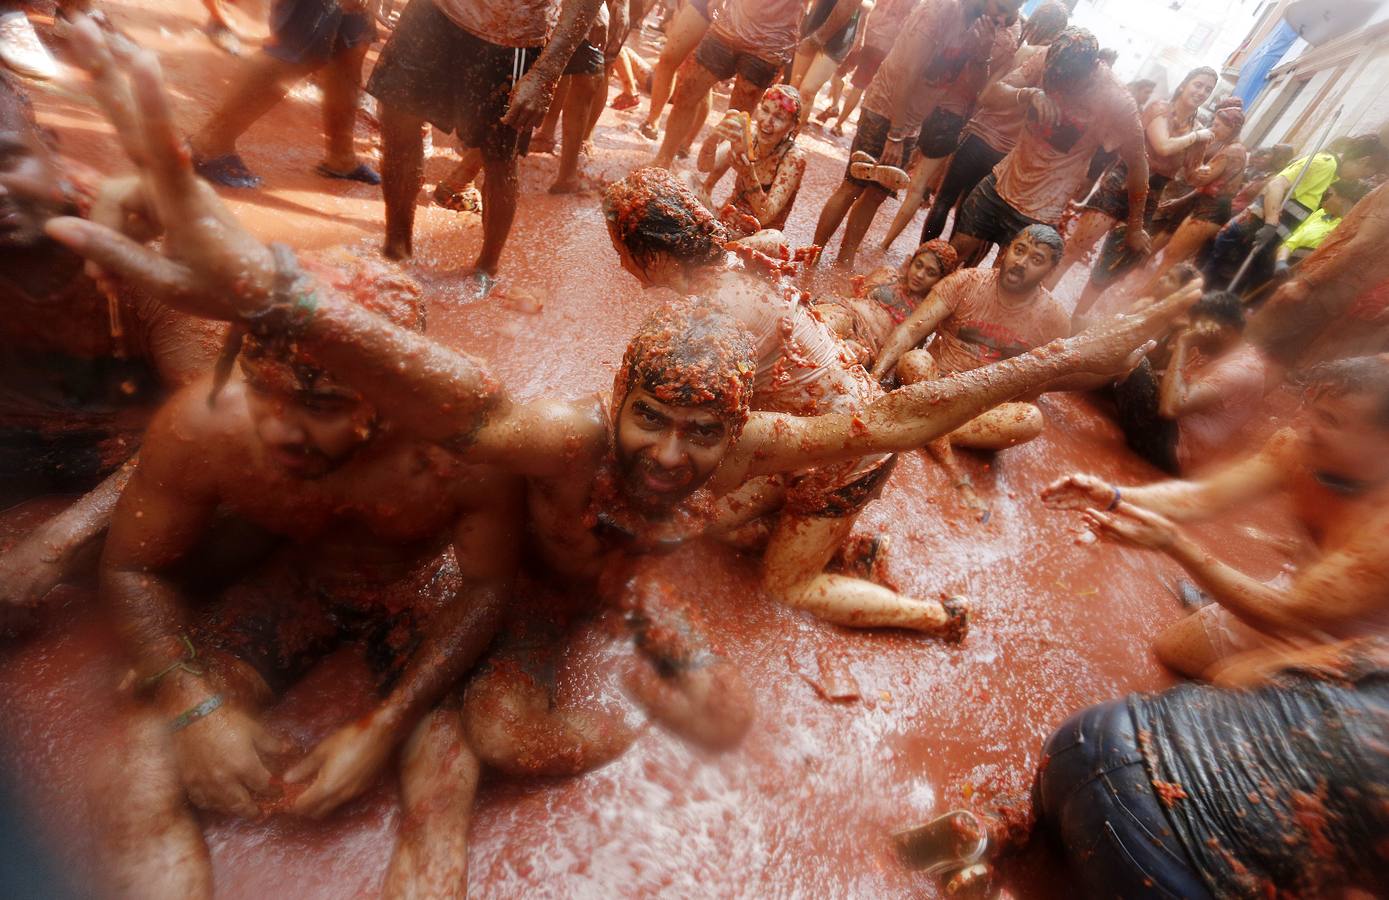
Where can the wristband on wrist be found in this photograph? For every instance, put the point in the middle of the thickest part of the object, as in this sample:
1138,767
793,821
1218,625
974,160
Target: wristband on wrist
201,711
293,301
1114,504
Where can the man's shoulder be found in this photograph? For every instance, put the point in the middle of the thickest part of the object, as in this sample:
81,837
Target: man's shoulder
194,431
959,287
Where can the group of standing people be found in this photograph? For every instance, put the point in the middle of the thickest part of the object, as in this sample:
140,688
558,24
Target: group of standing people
300,390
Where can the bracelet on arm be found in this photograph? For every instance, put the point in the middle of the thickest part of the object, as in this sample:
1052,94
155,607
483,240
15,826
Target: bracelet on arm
201,711
293,301
1114,504
183,663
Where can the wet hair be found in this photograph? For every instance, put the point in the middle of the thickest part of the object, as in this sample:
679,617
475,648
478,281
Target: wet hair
1046,236
691,353
1352,190
1071,58
1222,307
1109,56
1279,156
1351,376
944,253
1192,76
1047,21
1231,112
1367,147
652,213
1185,273
372,283
790,100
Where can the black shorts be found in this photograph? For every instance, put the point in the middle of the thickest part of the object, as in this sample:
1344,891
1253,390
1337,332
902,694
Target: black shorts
311,32
1145,430
460,83
940,133
281,623
1115,258
870,138
587,59
825,494
838,46
987,216
724,61
974,160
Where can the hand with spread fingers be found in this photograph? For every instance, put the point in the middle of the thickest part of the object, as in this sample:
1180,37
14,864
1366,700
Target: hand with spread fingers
1129,524
210,266
1117,345
1080,491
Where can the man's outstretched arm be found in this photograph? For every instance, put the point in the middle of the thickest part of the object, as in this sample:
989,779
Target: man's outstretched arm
915,329
210,266
917,414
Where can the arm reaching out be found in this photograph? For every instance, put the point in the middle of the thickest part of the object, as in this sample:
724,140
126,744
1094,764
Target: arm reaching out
1179,499
915,415
917,327
211,266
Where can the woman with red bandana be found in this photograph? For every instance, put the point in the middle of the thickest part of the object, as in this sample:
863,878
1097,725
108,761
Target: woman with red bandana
768,165
864,322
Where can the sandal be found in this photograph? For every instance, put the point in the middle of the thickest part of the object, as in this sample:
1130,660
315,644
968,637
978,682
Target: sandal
363,173
626,101
228,170
866,168
467,200
648,131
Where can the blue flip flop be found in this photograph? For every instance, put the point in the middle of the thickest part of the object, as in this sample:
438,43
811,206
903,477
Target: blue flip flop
363,173
228,171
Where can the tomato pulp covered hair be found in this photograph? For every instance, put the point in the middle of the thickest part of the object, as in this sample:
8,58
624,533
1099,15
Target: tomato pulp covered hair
943,252
650,212
375,285
691,353
1071,59
1049,20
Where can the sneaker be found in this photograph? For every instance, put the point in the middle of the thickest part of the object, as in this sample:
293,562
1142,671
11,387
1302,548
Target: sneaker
22,51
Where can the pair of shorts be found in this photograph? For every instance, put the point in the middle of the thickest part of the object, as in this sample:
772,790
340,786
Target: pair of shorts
940,133
1145,430
870,138
724,60
987,216
838,492
312,32
1115,258
282,622
436,71
838,46
870,59
587,59
974,159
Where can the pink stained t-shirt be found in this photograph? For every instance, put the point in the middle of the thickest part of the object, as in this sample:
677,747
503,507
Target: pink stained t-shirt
1239,378
1049,164
1000,128
507,23
885,23
769,29
955,50
981,329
